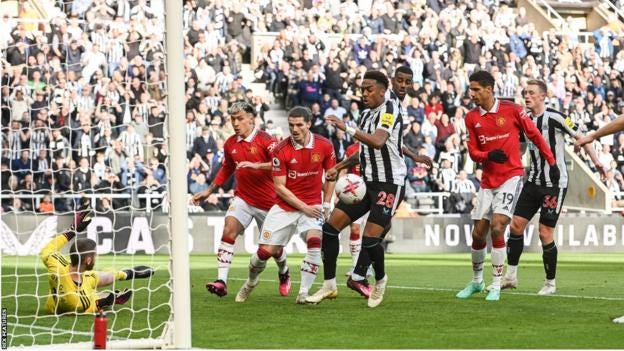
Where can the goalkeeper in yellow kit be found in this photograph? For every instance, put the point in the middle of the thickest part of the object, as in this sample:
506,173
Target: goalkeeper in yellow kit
73,283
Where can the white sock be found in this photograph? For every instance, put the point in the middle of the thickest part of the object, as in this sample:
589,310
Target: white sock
498,261
281,262
371,271
356,247
256,266
224,260
512,271
330,283
551,282
357,277
309,268
478,256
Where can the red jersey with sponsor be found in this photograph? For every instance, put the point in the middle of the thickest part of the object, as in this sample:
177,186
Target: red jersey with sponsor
303,167
353,149
500,128
254,186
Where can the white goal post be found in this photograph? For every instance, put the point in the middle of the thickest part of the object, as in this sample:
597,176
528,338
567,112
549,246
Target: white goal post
177,178
173,295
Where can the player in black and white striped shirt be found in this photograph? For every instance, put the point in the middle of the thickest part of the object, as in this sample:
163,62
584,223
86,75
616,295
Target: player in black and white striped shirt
538,191
383,169
613,127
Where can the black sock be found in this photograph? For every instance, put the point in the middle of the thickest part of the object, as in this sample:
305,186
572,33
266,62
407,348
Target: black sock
376,254
515,245
549,256
364,259
329,249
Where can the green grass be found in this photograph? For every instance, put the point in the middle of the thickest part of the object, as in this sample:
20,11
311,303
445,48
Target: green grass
419,310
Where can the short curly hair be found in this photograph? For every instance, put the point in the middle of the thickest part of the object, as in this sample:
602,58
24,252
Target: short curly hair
377,76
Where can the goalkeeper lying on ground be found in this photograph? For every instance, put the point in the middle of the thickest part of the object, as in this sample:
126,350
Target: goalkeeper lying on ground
73,283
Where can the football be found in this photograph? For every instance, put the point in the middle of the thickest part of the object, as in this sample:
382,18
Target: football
350,189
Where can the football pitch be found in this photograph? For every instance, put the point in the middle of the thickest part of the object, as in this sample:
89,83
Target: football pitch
419,310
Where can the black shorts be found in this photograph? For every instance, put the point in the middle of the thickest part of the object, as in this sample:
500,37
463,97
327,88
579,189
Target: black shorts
534,197
382,200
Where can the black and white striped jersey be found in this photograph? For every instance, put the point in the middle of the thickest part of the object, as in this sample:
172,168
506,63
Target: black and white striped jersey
554,126
385,165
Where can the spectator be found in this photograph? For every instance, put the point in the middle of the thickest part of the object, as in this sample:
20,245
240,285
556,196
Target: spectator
464,192
447,175
23,165
418,175
203,144
16,206
414,138
151,186
92,81
260,106
46,205
444,130
415,110
335,110
111,184
196,167
340,144
41,166
84,144
20,103
199,184
131,143
59,145
452,154
81,178
309,91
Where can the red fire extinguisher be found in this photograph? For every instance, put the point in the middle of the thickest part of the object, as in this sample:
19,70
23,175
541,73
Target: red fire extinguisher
100,327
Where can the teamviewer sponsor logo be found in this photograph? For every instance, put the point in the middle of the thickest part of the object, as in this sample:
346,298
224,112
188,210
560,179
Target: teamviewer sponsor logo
485,139
294,174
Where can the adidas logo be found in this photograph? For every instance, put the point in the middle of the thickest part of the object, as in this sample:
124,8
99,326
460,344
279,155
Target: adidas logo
478,125
293,161
233,151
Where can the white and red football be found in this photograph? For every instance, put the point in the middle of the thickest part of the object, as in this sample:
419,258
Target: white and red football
350,189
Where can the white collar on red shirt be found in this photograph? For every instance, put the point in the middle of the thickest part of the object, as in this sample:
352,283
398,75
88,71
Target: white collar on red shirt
250,137
493,110
310,144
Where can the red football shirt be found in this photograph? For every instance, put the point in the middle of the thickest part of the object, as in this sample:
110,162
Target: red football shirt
303,167
500,128
352,149
254,186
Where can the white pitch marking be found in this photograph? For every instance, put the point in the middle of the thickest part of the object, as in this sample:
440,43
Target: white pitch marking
453,290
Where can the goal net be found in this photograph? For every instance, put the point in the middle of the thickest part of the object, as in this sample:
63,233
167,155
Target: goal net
84,118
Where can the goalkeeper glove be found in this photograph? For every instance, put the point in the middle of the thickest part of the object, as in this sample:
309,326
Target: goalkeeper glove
554,174
122,297
105,302
138,272
497,156
82,218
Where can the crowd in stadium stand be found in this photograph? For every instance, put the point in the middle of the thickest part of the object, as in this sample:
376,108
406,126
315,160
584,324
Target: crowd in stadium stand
83,97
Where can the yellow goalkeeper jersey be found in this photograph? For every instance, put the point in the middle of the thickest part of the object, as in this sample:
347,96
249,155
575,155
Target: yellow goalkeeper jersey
66,295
